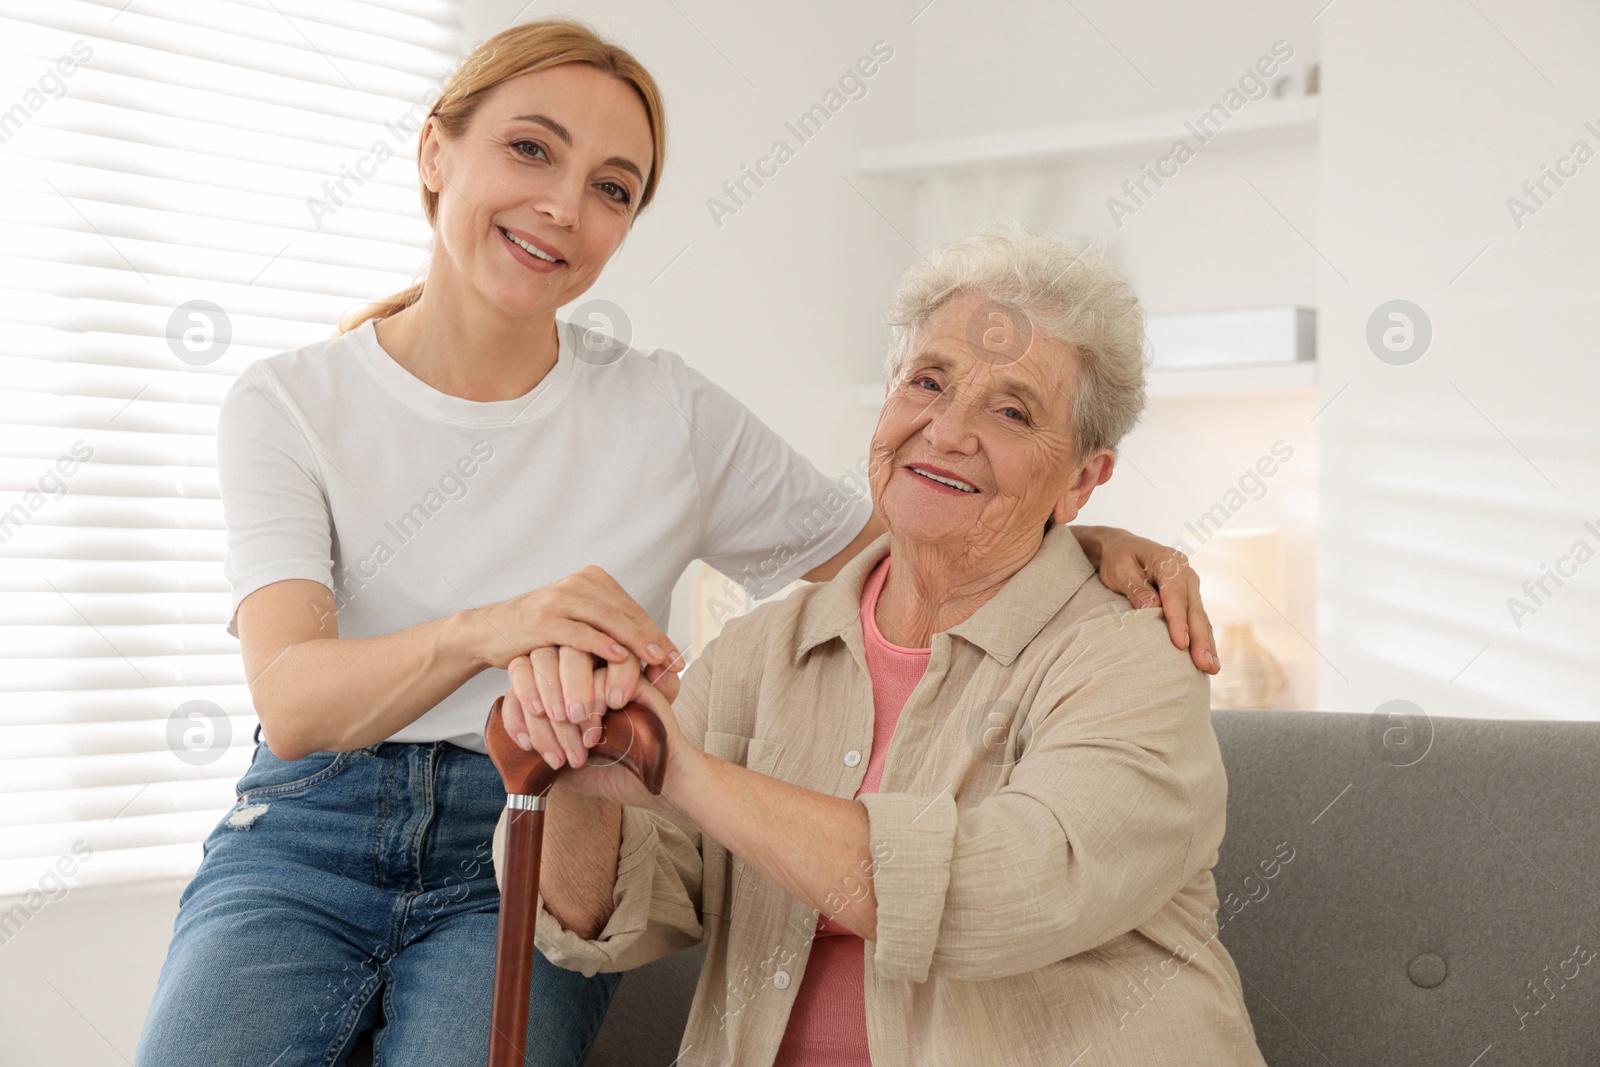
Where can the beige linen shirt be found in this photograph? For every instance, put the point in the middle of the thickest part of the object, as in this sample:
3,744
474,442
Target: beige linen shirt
1042,840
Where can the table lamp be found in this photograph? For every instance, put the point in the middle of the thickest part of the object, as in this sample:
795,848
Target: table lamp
1242,582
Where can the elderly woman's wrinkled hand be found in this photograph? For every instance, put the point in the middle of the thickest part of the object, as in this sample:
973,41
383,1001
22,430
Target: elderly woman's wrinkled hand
568,677
605,778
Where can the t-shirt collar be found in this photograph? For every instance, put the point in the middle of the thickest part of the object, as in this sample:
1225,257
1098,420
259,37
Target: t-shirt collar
416,393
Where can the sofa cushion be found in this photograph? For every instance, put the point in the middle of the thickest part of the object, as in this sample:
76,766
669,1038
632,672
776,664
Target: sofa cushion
648,1013
1442,902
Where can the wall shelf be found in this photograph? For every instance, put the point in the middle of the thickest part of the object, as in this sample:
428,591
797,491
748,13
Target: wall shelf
1198,381
1262,122
1252,378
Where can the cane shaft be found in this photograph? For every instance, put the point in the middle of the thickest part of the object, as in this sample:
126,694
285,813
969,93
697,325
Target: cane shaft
513,975
634,738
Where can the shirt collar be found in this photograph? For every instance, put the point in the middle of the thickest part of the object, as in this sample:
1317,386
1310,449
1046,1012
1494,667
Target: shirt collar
1002,627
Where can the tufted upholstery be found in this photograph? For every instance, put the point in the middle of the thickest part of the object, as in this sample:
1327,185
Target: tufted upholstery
1462,861
1440,899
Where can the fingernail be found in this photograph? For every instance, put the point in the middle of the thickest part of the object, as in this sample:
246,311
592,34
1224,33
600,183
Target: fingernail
554,760
591,736
677,661
576,758
618,649
523,741
1211,658
555,713
616,698
654,650
574,712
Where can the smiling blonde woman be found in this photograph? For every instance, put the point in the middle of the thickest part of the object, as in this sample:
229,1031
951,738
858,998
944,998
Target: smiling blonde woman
450,487
945,808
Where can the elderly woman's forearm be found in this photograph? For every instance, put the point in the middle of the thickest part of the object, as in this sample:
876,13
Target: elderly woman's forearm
813,846
578,864
1092,539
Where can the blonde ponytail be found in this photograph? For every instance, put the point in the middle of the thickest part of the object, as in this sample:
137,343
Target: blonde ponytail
380,309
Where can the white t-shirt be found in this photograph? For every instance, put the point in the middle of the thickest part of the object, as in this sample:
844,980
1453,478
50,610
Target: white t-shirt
336,464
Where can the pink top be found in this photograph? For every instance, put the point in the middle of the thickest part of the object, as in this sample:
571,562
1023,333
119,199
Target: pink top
828,1023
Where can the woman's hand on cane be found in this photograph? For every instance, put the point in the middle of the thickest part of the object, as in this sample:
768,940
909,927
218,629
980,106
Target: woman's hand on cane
552,739
586,610
551,639
572,679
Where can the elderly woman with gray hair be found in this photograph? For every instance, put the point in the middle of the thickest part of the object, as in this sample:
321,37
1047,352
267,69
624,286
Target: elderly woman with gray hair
959,804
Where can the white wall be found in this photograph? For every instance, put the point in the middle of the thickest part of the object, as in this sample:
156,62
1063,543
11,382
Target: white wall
1428,493
1027,63
77,977
1448,482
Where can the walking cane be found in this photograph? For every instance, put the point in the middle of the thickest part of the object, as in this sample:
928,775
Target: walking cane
634,737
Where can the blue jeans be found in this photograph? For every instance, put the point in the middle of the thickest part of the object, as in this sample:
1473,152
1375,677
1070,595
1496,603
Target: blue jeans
346,891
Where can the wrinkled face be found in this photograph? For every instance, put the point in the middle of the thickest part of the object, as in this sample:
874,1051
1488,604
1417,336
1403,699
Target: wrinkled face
985,404
557,159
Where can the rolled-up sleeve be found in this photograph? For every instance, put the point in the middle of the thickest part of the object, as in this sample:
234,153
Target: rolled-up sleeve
916,838
656,902
1089,837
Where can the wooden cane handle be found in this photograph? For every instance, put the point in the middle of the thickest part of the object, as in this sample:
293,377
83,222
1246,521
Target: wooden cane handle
632,736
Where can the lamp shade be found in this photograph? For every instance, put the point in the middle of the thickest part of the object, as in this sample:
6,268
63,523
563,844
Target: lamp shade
1241,574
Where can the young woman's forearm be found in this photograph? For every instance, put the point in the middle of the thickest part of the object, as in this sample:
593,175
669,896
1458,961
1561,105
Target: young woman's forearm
343,693
315,690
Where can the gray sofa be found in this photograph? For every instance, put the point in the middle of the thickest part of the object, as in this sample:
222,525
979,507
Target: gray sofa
1443,873
1439,904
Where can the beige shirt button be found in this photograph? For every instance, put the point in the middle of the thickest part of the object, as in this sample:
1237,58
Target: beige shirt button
852,758
781,979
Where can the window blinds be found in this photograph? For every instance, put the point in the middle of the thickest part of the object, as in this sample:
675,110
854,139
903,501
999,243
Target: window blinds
184,188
